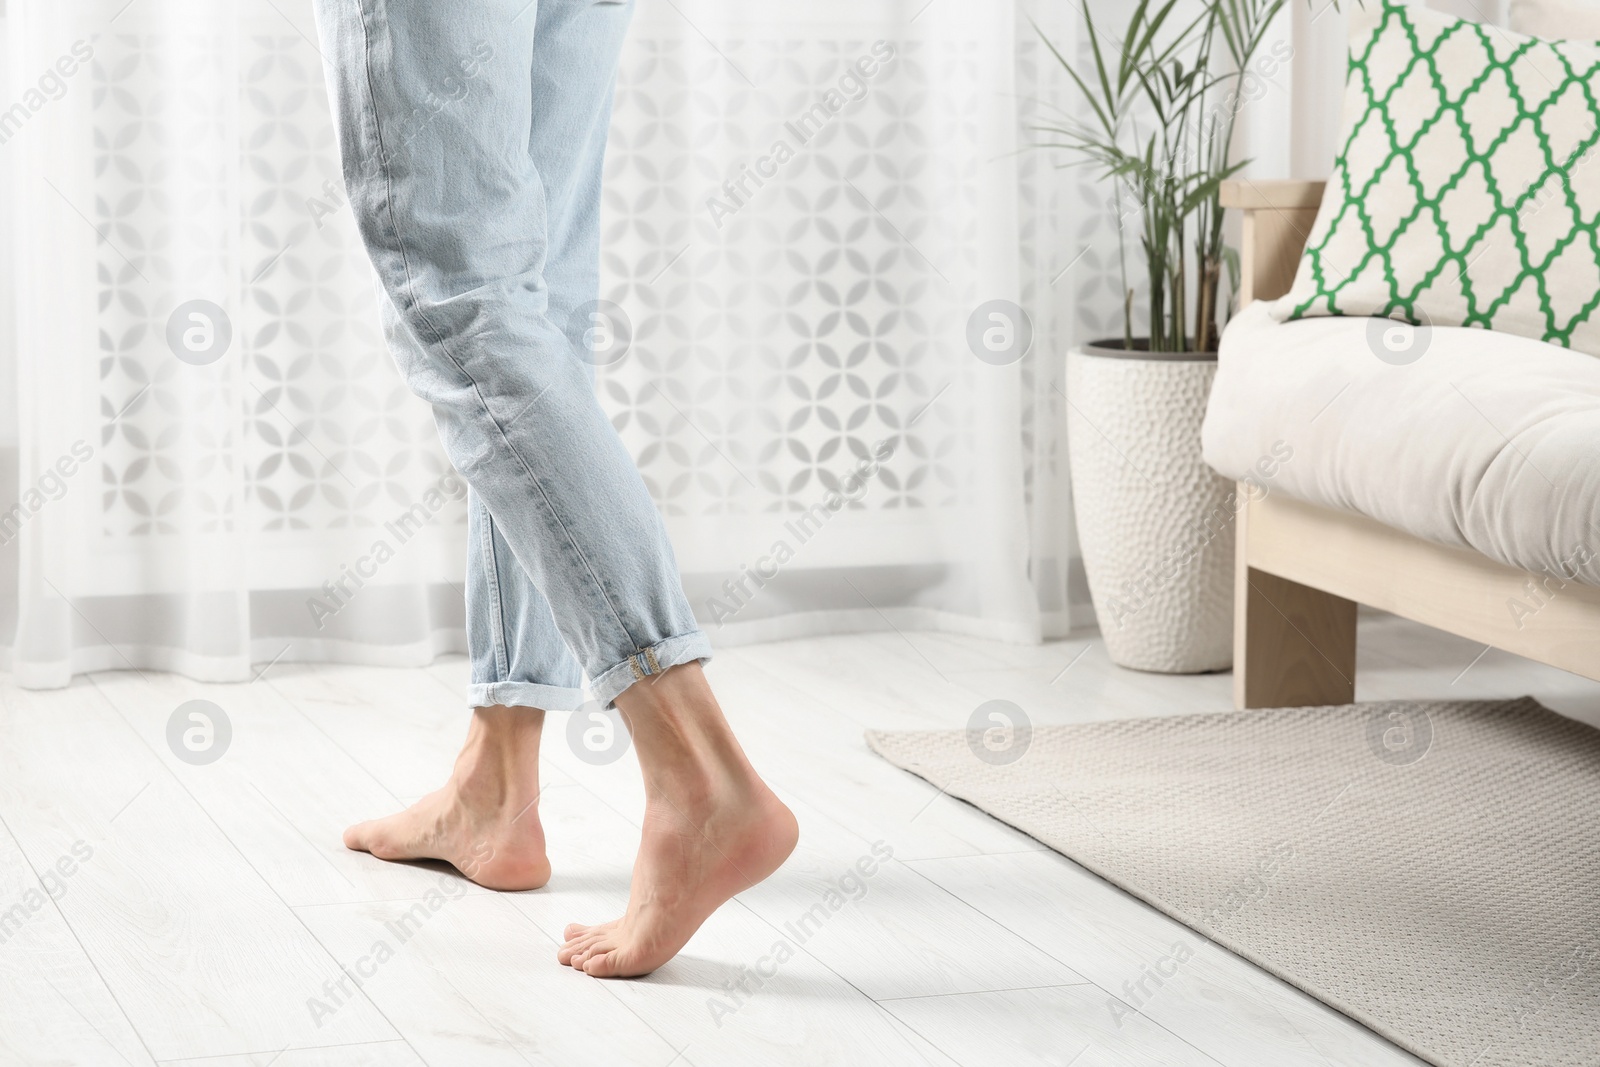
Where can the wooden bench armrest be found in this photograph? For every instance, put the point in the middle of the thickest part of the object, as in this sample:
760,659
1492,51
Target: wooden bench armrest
1277,221
1288,195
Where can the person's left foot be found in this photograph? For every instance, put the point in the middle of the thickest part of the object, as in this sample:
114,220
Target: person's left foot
485,821
692,858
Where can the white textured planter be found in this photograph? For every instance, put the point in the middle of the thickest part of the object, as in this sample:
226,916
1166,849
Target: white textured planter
1156,525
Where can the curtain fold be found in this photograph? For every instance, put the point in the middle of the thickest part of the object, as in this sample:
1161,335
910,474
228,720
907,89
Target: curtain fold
217,466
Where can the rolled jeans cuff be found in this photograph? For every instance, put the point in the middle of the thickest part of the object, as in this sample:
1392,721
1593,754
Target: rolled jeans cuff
692,646
524,695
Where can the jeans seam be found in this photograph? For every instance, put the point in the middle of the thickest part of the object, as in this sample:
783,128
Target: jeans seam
394,226
498,629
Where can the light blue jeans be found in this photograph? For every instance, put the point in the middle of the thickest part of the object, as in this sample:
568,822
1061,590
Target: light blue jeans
472,134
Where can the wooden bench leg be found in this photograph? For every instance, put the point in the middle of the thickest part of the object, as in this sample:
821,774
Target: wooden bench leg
1292,645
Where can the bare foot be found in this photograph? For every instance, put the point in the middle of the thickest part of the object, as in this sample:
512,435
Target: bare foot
688,867
711,829
485,821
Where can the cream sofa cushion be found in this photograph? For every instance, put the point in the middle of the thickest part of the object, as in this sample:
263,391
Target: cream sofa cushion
1485,440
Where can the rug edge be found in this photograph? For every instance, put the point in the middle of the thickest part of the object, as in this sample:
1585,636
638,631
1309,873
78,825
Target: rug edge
879,740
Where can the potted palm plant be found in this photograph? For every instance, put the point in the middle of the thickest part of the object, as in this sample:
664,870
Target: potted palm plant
1155,523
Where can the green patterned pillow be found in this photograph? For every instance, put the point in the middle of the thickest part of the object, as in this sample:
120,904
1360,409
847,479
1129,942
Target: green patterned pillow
1467,191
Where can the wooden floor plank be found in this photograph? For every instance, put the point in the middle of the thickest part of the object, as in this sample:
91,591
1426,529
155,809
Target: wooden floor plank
218,900
874,922
1044,1027
283,792
54,1006
468,980
891,933
369,1054
403,726
733,998
199,951
821,756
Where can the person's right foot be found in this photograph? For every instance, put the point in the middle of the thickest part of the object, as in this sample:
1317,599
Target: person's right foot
485,821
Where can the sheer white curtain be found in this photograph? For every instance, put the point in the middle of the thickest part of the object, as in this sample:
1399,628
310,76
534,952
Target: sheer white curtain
799,328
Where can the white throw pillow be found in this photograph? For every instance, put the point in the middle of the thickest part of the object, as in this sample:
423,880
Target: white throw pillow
1467,191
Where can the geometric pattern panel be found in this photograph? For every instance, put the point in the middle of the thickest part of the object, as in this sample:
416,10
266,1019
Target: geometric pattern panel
815,312
790,310
302,424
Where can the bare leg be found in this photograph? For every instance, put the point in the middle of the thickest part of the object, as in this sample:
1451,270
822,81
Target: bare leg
485,820
711,829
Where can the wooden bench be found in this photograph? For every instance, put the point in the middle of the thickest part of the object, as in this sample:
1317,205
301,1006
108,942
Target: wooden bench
1301,569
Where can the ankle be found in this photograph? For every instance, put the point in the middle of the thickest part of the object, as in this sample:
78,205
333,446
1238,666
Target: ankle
499,763
696,779
687,751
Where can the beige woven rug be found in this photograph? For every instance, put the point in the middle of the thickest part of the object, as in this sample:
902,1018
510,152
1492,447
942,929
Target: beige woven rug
1430,869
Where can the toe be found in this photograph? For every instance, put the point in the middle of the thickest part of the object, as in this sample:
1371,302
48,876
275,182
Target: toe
577,931
585,945
586,950
601,965
356,837
577,947
392,838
